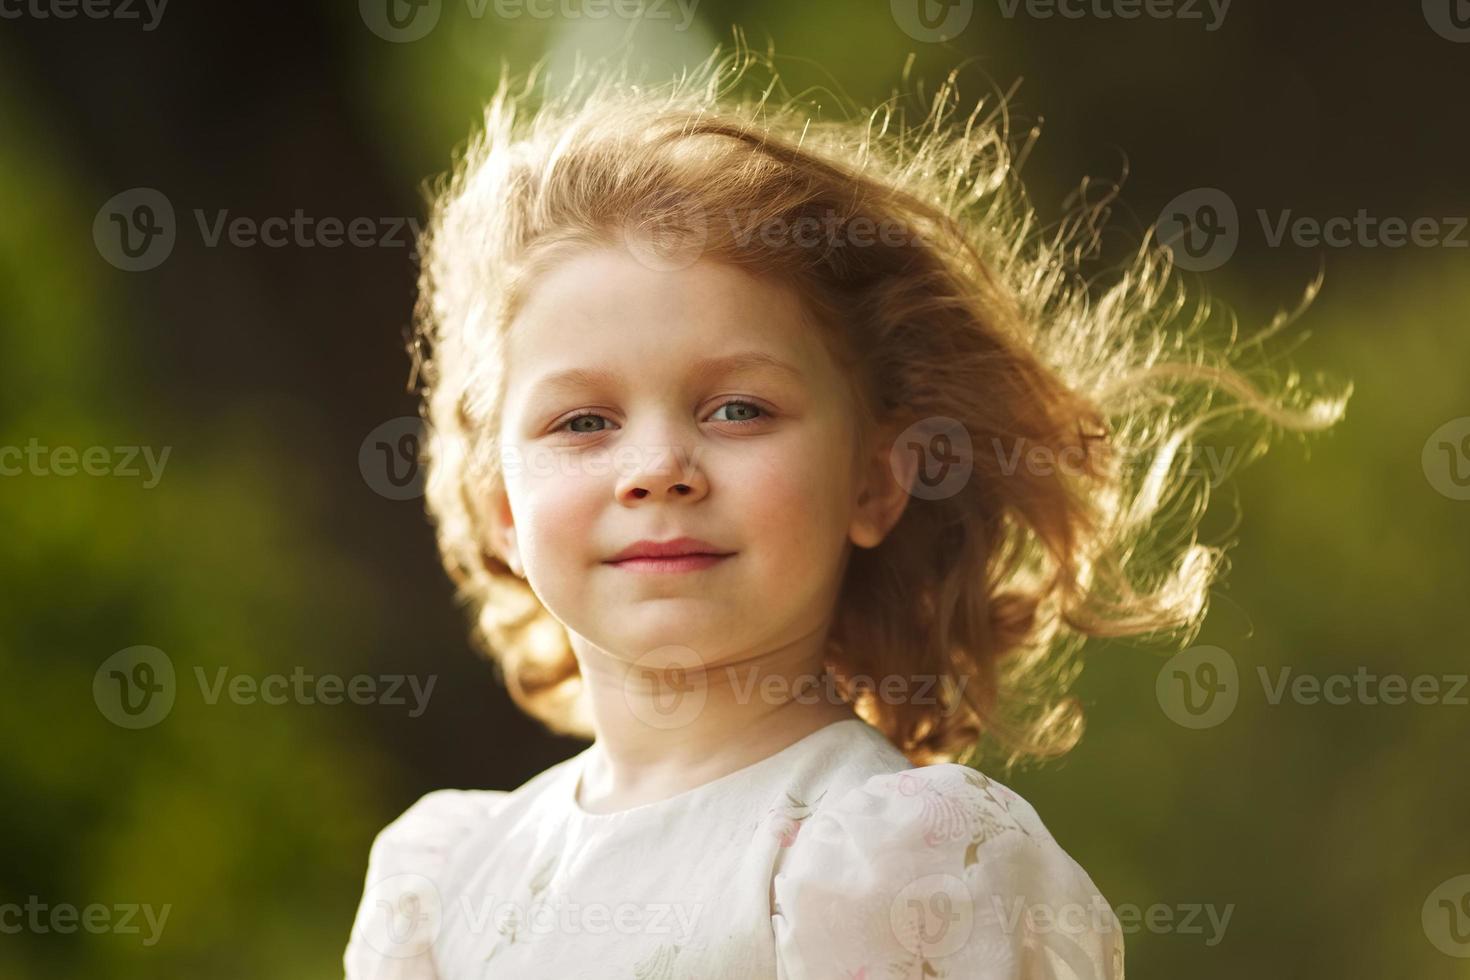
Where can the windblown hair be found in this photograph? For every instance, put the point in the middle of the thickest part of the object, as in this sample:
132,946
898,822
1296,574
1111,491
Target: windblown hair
941,297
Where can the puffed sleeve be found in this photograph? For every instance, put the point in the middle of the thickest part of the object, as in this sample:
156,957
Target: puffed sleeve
937,872
401,909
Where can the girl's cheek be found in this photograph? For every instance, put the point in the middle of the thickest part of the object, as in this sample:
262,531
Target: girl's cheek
554,506
790,495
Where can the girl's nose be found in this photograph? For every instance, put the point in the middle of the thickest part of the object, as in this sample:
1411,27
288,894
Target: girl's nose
665,473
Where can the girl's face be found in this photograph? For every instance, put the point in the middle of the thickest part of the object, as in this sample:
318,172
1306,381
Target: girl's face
646,405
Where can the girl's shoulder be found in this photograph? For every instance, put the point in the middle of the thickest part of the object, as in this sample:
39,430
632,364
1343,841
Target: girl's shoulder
401,904
409,866
936,870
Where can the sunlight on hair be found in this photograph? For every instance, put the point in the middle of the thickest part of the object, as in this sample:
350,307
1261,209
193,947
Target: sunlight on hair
977,314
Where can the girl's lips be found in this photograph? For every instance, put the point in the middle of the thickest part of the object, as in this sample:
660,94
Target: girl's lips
672,563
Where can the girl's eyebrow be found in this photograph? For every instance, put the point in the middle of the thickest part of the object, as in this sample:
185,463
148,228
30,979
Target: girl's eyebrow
702,370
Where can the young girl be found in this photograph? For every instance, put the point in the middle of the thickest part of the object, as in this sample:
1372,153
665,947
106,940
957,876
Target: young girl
786,460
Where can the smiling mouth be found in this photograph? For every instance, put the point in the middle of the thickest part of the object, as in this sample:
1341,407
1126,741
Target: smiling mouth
670,563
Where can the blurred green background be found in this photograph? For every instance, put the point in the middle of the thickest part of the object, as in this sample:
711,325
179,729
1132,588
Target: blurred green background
262,548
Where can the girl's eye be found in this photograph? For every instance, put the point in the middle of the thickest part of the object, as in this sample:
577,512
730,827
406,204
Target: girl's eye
571,423
745,413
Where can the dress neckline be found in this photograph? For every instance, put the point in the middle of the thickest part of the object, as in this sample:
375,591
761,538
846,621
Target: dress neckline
572,785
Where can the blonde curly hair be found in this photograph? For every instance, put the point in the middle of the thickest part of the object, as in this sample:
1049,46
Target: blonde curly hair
976,315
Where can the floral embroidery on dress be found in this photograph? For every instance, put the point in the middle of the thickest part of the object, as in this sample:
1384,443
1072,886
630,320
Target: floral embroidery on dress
510,928
658,965
785,820
948,816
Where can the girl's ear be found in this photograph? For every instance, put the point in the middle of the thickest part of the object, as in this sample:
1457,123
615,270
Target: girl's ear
883,483
503,532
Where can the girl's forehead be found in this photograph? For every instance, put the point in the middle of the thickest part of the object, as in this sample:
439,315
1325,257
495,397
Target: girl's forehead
605,306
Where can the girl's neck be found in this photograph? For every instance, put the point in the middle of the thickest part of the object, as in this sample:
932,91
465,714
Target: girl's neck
668,726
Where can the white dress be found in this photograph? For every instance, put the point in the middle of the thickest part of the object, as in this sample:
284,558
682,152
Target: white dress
832,859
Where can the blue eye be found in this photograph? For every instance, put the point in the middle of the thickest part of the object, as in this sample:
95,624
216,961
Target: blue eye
748,412
577,418
745,407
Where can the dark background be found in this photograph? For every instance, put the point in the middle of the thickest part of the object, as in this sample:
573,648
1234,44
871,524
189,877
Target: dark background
263,548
